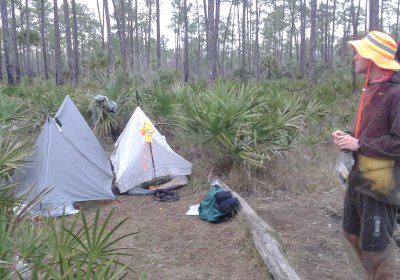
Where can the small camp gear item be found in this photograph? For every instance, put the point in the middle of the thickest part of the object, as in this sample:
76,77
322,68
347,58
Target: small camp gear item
344,164
218,205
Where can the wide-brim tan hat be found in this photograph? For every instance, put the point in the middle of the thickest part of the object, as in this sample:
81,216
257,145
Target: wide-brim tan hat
380,48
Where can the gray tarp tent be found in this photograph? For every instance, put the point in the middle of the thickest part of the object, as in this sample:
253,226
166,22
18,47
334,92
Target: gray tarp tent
69,158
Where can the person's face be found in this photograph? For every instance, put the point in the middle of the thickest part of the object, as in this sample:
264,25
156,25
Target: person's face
361,64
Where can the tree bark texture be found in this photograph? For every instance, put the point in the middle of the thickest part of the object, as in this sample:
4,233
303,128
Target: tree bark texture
15,44
67,23
159,34
28,42
243,69
186,46
374,15
302,37
76,44
210,42
6,40
57,47
111,59
311,66
43,40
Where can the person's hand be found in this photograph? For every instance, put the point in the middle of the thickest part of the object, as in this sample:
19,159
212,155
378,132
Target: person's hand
335,136
347,142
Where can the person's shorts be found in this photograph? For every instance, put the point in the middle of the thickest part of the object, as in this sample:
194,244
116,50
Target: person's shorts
372,221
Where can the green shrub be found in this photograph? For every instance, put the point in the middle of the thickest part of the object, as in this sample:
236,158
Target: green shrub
245,123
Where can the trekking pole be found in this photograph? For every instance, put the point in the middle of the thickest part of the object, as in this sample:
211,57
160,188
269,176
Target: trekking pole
154,167
147,131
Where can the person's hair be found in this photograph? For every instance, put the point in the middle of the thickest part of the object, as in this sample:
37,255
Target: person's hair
397,55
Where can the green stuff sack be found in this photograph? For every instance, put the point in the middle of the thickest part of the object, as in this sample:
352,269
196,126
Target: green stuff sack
207,209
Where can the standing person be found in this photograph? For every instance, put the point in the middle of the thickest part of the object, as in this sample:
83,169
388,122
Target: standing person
373,184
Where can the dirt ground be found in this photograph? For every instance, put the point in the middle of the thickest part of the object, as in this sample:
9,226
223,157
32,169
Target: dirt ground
302,202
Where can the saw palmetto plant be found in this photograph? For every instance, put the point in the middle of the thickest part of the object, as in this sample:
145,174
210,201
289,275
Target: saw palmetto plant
243,121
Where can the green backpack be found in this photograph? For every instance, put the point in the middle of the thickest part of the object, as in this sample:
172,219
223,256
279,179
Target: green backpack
218,205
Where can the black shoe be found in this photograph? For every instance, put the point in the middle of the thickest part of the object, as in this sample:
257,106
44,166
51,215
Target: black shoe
165,196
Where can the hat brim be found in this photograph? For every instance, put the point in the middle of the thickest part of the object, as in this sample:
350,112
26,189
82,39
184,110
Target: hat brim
378,59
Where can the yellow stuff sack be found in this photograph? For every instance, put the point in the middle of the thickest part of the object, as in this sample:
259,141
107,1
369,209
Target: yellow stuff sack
379,171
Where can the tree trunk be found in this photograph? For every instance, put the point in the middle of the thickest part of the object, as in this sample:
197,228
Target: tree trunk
326,36
101,23
57,47
374,15
186,46
292,7
256,43
148,45
210,43
15,44
120,19
159,35
302,37
6,40
177,38
311,66
199,38
366,17
243,73
281,35
236,8
249,37
224,40
130,32
239,37
111,59
28,43
76,44
123,36
68,40
215,41
137,36
332,34
43,40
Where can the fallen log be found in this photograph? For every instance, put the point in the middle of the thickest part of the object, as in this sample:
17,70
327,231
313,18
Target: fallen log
266,245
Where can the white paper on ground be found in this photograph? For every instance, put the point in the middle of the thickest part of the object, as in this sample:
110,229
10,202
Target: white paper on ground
193,210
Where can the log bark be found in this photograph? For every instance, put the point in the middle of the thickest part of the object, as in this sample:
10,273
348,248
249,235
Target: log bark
266,245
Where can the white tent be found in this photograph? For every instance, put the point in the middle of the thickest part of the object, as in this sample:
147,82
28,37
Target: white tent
132,159
69,159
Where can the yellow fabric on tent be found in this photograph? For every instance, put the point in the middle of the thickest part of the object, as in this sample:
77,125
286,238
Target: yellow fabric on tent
147,131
